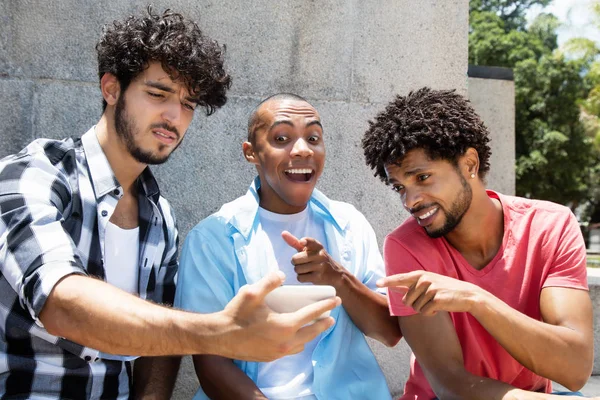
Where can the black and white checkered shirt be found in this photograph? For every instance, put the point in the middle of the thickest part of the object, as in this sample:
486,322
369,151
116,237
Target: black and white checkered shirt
56,198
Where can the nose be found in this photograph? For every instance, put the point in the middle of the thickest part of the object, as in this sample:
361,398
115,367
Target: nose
301,149
411,198
172,112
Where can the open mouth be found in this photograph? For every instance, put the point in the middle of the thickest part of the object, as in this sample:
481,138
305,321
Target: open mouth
426,218
299,174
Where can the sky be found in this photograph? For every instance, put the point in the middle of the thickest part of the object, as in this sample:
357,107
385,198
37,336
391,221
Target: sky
575,16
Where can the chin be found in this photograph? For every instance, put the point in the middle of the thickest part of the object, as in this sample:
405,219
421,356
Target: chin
298,201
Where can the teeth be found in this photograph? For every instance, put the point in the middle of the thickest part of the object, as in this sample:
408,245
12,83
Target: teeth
299,171
428,214
161,134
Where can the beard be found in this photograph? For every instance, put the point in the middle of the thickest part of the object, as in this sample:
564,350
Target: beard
127,130
458,209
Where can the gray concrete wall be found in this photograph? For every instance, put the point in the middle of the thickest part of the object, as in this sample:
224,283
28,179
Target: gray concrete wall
348,57
494,101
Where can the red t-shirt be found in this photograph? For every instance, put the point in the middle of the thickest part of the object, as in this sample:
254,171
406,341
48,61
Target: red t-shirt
542,246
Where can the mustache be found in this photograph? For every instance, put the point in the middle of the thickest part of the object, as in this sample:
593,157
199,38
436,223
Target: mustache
165,126
421,207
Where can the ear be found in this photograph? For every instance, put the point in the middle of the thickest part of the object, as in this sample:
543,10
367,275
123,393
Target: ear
469,163
110,87
249,154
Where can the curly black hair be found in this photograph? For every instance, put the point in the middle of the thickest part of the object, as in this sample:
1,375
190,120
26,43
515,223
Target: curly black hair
127,47
441,122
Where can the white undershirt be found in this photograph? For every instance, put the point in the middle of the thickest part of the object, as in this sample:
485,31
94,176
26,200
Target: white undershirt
121,248
289,377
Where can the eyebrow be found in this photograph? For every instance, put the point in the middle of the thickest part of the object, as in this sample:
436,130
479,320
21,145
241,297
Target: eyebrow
166,88
414,171
315,122
289,123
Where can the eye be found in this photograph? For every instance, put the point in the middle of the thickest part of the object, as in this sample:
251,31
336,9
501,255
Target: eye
397,188
190,106
156,95
314,138
281,138
422,177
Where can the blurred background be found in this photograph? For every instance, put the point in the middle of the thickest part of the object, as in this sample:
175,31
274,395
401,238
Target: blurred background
552,46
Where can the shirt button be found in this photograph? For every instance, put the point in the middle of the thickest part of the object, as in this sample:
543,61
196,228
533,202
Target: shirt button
104,213
117,192
88,358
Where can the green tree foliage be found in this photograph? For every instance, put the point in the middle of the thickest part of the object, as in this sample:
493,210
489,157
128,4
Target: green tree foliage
512,12
555,157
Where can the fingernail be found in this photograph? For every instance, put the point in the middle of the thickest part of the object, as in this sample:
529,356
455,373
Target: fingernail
379,282
281,275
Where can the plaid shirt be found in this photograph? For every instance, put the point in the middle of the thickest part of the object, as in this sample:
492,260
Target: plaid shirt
56,198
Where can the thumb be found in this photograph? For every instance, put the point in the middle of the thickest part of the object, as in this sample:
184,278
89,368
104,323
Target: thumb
292,241
268,283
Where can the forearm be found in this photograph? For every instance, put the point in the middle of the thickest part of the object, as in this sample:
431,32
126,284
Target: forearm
98,315
368,310
222,379
471,387
154,377
556,352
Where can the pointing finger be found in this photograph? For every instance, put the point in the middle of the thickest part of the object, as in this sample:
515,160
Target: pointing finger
406,280
293,241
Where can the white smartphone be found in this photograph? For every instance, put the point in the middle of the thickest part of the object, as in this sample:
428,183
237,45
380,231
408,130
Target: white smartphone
290,298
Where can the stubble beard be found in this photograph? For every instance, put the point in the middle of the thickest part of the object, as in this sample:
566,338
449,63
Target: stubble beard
457,211
127,130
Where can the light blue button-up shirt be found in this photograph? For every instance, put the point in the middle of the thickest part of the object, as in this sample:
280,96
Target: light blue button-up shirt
218,258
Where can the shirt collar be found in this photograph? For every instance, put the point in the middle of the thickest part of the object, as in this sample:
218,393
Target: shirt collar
102,176
246,214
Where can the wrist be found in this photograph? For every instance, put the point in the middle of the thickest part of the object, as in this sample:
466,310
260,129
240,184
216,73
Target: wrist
340,280
204,333
478,301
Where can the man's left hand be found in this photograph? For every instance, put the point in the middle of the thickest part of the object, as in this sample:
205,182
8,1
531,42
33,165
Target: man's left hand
312,262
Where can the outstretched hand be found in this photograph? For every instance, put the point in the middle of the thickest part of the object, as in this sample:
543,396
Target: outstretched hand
428,293
256,333
312,263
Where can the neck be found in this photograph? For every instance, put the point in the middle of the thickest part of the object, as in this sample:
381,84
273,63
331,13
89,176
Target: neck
125,167
479,235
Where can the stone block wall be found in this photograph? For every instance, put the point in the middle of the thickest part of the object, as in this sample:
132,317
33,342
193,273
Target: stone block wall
348,57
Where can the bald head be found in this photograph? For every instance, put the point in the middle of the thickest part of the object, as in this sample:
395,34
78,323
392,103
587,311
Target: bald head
255,121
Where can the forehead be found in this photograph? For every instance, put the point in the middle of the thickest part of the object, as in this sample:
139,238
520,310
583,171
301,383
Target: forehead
155,73
414,161
295,111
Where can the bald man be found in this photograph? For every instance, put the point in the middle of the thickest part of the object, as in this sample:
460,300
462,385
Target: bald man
284,223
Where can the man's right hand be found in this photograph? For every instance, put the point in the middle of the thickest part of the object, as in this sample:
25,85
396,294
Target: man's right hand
256,333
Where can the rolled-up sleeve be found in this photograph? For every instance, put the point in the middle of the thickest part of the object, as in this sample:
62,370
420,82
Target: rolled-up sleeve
35,250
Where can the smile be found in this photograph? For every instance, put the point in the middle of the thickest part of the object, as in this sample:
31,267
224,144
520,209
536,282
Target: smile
428,214
299,174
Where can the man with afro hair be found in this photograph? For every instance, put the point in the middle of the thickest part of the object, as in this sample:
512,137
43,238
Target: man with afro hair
490,290
88,246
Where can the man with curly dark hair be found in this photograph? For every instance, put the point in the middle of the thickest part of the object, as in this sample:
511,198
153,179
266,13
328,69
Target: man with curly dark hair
88,246
490,290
